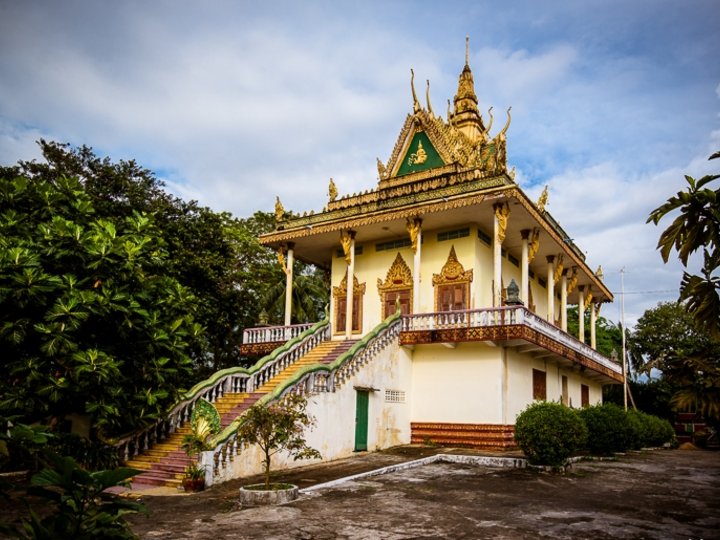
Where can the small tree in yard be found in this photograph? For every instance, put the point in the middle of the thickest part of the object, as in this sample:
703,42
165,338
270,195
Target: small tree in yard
278,427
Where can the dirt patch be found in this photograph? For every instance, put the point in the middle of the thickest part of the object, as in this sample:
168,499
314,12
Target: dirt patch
657,494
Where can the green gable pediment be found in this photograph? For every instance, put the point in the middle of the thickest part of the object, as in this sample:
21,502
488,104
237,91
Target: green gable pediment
420,155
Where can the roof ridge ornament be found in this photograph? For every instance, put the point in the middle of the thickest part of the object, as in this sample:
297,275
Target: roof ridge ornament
467,50
427,97
416,103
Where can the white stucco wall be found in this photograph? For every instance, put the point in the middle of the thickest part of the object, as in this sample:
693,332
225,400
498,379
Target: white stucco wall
334,412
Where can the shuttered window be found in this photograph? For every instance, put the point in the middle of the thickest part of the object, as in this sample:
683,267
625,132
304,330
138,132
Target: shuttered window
539,385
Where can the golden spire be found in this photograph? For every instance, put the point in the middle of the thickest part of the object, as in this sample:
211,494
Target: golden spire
542,201
466,116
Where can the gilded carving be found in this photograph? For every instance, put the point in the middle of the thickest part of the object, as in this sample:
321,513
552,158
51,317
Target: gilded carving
599,273
573,280
534,244
558,268
542,201
588,299
382,171
346,241
502,212
399,277
452,271
281,260
332,190
419,156
413,227
279,210
341,290
416,103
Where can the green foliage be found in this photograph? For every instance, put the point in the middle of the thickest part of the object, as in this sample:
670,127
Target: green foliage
549,433
309,296
608,336
668,338
696,228
82,507
278,427
649,430
609,429
90,322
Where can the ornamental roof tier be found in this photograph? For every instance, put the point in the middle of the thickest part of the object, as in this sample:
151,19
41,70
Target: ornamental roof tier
448,172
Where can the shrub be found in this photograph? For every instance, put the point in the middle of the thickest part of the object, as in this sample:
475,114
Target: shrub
549,433
609,429
660,431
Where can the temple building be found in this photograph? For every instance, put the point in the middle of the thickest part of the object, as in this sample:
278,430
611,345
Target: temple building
448,310
482,275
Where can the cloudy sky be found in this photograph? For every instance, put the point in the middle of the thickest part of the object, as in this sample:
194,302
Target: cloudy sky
232,103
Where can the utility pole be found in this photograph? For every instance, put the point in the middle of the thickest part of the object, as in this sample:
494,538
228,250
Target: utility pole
622,319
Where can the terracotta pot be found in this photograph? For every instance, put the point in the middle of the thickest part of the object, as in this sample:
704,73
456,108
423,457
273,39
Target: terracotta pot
191,485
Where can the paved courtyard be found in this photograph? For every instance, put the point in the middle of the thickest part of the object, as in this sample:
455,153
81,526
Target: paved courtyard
654,494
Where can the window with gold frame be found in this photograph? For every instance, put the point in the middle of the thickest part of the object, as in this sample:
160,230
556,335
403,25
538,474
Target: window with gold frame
397,288
452,285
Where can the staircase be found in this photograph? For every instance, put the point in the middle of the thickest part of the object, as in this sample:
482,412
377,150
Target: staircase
164,464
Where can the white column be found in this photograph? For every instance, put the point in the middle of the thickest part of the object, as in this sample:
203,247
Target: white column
593,322
497,261
525,268
581,313
350,285
563,301
416,273
289,284
551,288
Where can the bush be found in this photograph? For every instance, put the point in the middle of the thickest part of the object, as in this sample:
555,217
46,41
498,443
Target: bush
549,433
609,429
640,428
660,431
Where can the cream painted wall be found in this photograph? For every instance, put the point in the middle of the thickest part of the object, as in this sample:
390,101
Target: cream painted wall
462,385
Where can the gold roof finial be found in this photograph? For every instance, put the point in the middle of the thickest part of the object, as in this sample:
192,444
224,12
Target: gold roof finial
467,50
332,190
416,103
542,201
427,97
279,210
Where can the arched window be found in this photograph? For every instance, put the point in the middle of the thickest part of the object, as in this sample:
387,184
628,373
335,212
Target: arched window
452,285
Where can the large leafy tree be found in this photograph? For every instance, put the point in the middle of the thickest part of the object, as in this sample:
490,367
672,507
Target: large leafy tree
213,254
696,229
667,338
608,335
91,321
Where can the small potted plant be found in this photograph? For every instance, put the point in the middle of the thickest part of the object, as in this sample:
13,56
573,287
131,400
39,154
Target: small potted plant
205,422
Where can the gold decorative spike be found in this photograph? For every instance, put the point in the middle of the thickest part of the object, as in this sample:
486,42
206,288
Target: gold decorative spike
558,268
279,210
467,50
281,260
332,190
382,171
449,113
416,103
346,241
419,156
599,273
588,298
490,115
502,212
512,173
534,244
413,228
542,201
427,98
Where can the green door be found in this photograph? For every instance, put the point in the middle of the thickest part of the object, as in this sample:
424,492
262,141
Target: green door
361,420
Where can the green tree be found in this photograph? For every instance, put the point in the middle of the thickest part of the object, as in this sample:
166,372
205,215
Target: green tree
608,335
310,295
90,321
667,338
278,427
217,257
695,229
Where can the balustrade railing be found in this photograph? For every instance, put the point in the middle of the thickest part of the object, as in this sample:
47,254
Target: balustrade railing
231,380
273,334
507,315
313,379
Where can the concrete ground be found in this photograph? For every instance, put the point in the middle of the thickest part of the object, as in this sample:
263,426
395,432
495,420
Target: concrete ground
653,494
